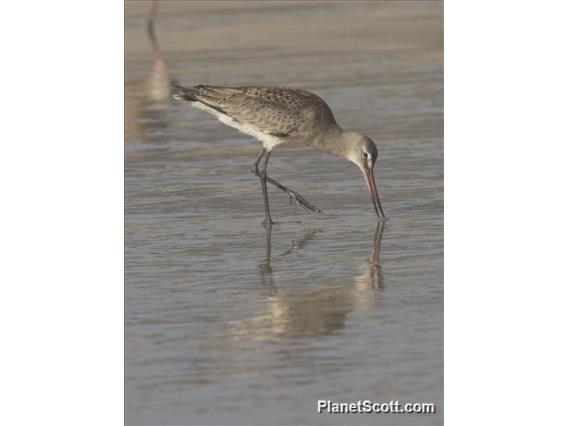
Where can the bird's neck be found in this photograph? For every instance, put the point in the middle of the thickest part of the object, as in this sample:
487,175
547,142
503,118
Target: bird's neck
332,141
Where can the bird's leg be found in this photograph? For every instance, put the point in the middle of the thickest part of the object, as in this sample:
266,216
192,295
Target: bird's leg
301,202
268,219
255,169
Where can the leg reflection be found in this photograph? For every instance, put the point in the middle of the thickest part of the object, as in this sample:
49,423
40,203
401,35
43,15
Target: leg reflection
321,302
374,268
266,268
371,277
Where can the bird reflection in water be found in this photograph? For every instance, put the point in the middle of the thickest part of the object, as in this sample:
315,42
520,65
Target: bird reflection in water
158,84
317,310
146,101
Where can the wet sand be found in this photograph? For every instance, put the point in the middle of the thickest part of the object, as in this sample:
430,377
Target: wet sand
216,333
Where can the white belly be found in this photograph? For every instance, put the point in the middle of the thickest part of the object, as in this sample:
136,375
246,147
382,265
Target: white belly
268,141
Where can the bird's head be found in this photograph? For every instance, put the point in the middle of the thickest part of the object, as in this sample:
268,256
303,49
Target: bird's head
362,151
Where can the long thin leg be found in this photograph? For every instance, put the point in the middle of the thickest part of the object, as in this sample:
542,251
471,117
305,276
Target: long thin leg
257,162
268,219
301,202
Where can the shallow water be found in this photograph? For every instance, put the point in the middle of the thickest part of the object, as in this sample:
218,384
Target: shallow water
217,331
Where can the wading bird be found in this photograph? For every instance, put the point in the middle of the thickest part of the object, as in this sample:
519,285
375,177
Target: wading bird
280,115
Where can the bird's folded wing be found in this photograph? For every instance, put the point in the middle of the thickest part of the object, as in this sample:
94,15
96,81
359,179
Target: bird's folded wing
274,111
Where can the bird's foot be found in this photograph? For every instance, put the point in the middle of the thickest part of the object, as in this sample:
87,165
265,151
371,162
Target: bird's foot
302,203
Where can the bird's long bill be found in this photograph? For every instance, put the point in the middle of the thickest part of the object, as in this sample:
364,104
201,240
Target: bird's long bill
372,187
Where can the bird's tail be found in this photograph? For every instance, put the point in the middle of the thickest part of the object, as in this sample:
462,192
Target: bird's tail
183,93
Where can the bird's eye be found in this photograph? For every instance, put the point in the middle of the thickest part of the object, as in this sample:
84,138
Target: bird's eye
365,155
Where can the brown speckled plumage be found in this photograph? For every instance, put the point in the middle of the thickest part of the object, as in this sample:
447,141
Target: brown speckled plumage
296,115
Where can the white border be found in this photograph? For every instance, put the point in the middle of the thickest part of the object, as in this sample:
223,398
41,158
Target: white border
61,176
505,209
